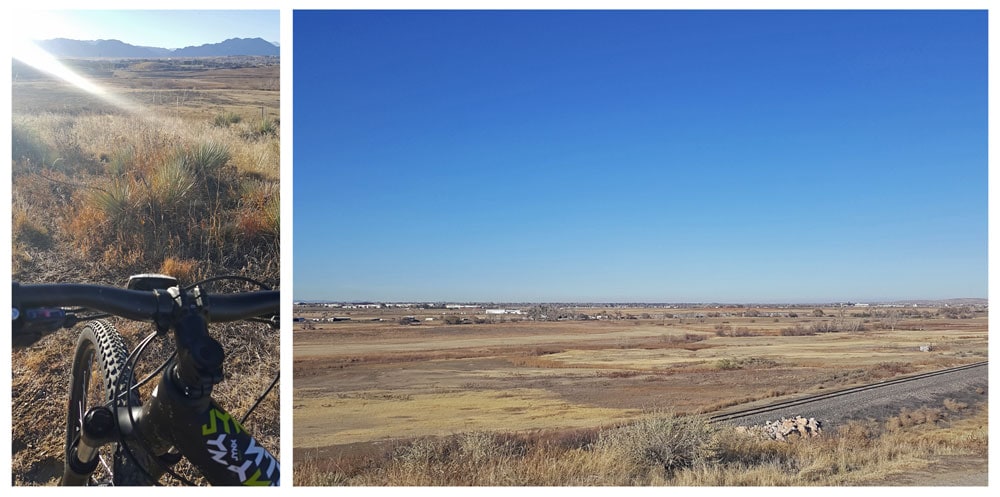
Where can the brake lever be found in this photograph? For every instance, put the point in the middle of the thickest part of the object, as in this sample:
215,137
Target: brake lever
33,324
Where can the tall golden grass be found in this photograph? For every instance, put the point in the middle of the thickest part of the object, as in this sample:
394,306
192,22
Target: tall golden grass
129,192
662,450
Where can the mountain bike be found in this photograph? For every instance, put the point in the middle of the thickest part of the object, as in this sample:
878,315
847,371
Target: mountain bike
113,437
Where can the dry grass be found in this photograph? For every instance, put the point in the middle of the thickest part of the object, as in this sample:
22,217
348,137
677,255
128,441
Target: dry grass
102,191
158,189
370,383
656,450
367,416
128,186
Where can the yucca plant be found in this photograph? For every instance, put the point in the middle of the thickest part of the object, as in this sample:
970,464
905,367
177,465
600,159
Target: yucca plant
171,185
121,161
267,127
207,158
115,201
225,119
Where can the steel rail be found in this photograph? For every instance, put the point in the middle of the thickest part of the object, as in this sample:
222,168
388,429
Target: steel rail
743,413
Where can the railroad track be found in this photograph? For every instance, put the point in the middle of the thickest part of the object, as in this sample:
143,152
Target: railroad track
745,413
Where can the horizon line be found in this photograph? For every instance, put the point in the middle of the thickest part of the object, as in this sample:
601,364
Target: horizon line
624,302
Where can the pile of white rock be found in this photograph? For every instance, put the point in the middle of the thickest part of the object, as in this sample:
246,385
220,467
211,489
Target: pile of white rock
783,428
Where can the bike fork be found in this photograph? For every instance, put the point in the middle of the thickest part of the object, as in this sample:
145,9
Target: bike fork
101,426
97,428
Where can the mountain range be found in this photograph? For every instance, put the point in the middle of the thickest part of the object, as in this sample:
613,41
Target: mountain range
62,47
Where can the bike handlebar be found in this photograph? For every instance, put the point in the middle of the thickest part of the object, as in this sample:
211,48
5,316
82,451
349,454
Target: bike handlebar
130,304
144,305
139,305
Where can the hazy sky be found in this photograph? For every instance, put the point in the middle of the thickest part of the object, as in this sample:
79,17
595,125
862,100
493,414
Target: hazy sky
640,156
150,28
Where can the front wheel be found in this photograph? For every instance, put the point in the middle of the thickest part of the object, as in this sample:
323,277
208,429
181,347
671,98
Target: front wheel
98,366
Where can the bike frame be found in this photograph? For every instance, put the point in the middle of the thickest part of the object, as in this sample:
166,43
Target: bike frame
203,432
182,414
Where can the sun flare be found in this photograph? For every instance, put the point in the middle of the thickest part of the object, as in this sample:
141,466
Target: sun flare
25,49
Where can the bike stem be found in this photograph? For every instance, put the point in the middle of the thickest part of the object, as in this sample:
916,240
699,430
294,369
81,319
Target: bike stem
182,414
185,388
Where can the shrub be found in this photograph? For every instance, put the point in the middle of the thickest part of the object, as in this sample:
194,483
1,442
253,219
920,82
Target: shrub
727,330
225,119
28,230
837,325
260,213
666,442
184,270
263,128
27,145
954,405
797,330
961,312
912,417
732,447
886,369
744,363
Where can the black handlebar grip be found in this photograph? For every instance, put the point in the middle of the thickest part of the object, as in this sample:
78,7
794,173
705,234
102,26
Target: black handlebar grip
130,304
237,306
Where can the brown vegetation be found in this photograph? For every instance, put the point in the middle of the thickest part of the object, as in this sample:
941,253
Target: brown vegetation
142,182
661,449
364,385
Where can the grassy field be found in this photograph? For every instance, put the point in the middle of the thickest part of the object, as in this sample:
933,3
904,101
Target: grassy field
164,166
366,384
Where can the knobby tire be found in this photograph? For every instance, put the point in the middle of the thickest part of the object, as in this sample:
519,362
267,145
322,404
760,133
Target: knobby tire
98,365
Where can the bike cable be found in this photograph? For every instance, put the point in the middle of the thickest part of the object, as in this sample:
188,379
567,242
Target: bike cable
260,398
131,362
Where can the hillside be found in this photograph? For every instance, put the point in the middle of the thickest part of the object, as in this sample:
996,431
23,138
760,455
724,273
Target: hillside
115,49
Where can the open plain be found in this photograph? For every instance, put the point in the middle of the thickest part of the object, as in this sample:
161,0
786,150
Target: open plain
368,377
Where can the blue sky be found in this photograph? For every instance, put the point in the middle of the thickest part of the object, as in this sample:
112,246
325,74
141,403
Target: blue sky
150,28
640,156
